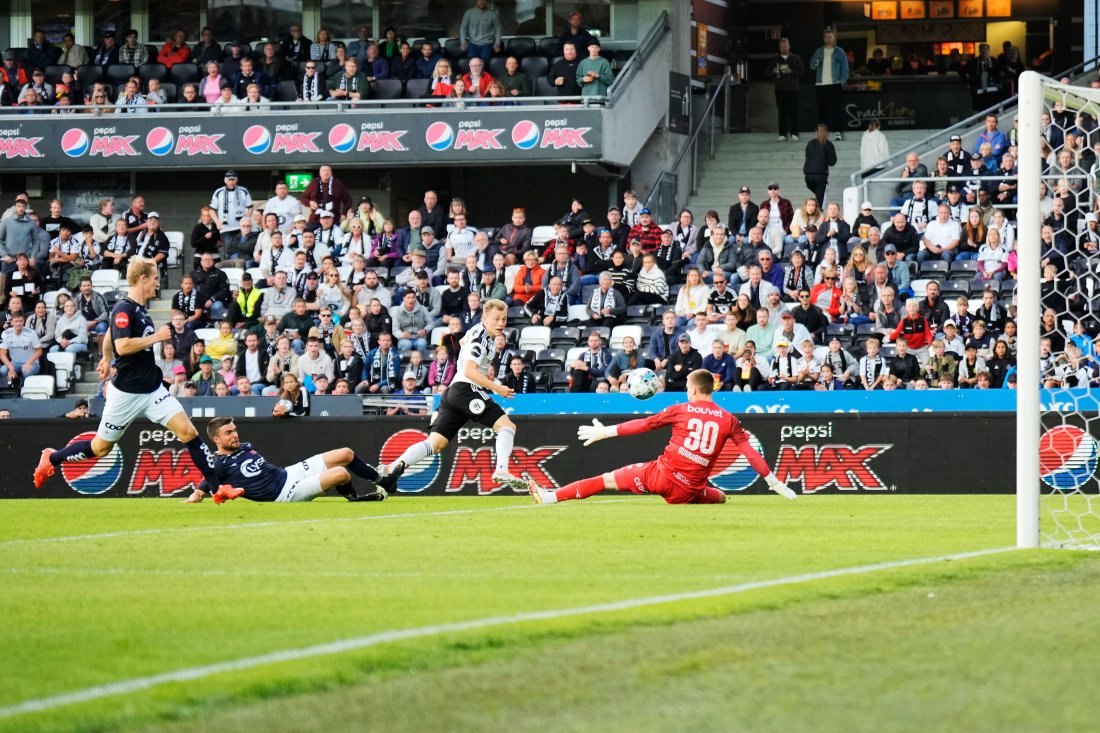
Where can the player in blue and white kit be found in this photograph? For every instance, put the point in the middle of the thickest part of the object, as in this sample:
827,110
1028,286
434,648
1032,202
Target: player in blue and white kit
467,398
242,466
137,388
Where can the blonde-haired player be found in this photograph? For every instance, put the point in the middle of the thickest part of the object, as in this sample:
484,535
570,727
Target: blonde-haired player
137,388
467,398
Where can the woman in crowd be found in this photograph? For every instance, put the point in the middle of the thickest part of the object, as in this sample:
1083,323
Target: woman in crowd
820,157
973,236
403,65
333,294
797,276
692,298
622,363
198,350
205,237
384,247
71,331
807,214
442,371
323,49
442,80
940,179
43,322
292,392
167,360
859,265
210,86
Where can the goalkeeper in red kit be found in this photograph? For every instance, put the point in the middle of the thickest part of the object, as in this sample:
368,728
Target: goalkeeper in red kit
700,430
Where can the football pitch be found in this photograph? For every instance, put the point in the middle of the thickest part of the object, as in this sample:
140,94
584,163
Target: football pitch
830,613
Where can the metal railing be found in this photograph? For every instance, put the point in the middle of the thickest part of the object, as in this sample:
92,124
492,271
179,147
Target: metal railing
663,193
935,141
645,48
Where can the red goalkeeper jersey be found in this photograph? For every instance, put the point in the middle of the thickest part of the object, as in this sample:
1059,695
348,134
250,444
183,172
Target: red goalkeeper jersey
699,432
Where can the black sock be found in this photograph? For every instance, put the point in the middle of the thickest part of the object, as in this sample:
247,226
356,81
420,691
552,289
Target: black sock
362,469
203,460
347,491
77,451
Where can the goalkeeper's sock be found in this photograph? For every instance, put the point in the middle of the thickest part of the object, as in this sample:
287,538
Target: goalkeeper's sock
582,489
506,437
77,451
363,470
413,454
203,460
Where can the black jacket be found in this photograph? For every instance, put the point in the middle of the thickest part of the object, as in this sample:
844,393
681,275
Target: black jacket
736,216
263,361
212,285
819,158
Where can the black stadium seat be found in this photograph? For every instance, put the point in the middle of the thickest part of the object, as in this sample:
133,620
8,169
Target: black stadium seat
386,89
534,66
53,73
89,74
452,50
496,67
184,74
118,74
462,66
550,47
416,88
543,87
171,92
286,92
152,71
521,47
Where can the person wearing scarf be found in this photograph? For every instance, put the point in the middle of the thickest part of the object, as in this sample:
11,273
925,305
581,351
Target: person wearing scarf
350,85
590,367
606,306
383,365
549,307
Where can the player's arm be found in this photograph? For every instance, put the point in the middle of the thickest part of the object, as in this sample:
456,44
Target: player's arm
198,494
598,431
470,370
106,348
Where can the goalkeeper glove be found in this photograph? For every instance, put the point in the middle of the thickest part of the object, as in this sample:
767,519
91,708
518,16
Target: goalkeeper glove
779,487
596,431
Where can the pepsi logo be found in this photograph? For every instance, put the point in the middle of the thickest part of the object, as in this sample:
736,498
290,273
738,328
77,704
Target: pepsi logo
439,136
732,471
1067,457
341,138
94,475
525,134
416,477
159,141
257,139
75,143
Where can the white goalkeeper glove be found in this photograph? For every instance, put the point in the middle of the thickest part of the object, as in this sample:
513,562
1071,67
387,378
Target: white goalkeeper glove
596,431
779,487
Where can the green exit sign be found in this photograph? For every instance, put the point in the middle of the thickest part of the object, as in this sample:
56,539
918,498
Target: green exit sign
298,182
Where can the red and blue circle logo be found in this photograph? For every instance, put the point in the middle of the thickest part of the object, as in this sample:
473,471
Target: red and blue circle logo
525,134
257,139
75,143
417,477
341,138
1067,457
160,140
93,475
439,136
732,471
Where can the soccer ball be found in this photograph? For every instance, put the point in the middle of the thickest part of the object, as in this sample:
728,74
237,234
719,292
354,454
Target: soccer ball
286,405
642,384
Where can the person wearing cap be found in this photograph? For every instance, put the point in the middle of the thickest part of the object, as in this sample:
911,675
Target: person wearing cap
742,215
683,361
958,160
152,243
205,378
106,53
407,401
783,371
792,331
229,204
328,238
594,73
646,231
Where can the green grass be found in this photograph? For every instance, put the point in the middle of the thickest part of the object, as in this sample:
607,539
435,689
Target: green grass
1002,642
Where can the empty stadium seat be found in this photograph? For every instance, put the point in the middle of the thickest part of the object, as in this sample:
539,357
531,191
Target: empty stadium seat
387,89
550,46
118,74
38,387
105,280
452,50
639,315
171,91
578,313
286,92
233,275
206,334
566,336
496,66
175,249
535,337
963,268
416,88
64,365
574,354
521,47
510,276
543,87
437,335
89,74
934,270
534,66
181,74
462,66
550,358
920,287
540,235
152,71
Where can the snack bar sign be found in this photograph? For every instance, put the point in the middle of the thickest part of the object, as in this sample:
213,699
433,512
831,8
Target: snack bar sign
165,140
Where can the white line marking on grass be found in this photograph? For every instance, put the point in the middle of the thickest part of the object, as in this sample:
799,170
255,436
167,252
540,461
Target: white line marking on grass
290,523
137,684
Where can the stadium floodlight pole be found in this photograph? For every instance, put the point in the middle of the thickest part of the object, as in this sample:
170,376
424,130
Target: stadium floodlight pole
1028,301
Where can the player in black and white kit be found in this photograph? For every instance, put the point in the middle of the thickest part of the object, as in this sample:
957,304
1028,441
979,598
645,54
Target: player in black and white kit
467,398
137,388
242,466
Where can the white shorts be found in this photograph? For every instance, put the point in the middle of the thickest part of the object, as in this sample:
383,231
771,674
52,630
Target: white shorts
122,408
303,480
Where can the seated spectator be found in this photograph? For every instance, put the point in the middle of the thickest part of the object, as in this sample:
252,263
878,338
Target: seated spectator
292,391
252,364
441,81
224,344
71,331
314,363
651,287
175,51
348,365
519,377
442,370
914,329
692,298
477,79
252,101
721,364
382,368
210,86
809,367
827,381
682,362
207,49
130,100
762,333
590,367
311,86
408,401
528,279
903,236
905,366
514,81
349,84
784,373
606,306
206,378
411,323
323,49
403,64
550,306
662,342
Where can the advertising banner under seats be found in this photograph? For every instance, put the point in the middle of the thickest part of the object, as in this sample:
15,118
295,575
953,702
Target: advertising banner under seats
814,454
168,140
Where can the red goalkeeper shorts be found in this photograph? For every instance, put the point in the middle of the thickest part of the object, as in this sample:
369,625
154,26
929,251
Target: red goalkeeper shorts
652,478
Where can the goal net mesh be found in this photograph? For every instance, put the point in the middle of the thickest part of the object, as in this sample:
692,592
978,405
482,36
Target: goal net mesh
1069,361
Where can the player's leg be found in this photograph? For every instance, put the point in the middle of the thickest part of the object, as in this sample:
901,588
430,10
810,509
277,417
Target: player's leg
119,410
444,426
346,457
505,431
628,478
342,458
309,488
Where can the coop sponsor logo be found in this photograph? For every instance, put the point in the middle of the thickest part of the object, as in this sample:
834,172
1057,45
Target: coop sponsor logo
554,134
104,142
13,144
816,467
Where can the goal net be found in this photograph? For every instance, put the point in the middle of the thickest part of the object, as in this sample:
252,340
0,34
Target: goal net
1058,315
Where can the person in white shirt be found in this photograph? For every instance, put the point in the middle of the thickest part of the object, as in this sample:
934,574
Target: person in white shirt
460,242
919,210
873,148
314,361
329,237
230,204
284,206
941,237
702,336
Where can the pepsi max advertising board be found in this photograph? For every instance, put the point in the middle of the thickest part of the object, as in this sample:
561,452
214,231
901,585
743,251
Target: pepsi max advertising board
964,453
168,140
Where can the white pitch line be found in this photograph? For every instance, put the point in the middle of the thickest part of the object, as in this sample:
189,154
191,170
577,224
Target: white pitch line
290,523
124,687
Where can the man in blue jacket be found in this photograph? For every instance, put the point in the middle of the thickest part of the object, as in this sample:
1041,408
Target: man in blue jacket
830,66
662,342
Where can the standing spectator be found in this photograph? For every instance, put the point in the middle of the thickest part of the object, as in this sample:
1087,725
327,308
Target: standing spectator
787,69
40,52
479,32
284,206
992,135
563,74
326,192
874,148
830,66
175,51
228,206
133,52
73,54
820,156
575,32
17,235
594,74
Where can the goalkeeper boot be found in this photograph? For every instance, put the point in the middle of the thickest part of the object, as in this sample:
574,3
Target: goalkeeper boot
226,493
44,469
502,477
388,482
542,496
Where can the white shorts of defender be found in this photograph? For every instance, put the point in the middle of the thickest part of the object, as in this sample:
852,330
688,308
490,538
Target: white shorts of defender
122,408
303,480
